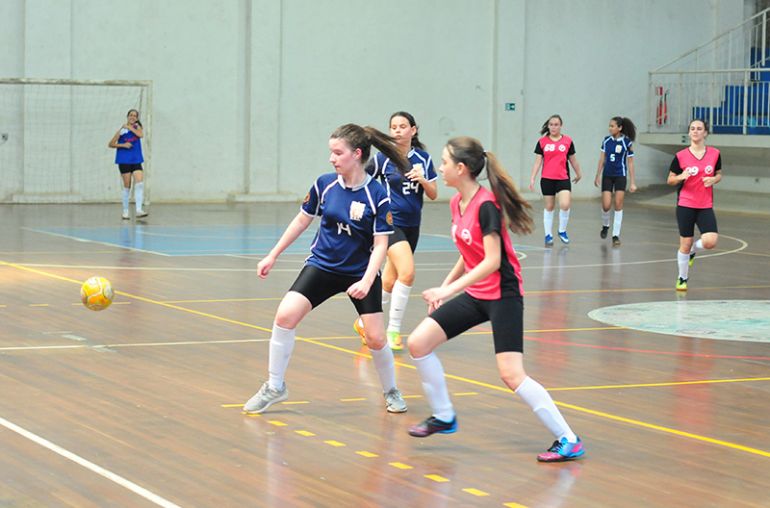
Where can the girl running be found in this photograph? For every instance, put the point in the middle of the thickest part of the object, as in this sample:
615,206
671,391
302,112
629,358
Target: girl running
616,166
346,256
488,277
128,156
552,153
406,197
695,170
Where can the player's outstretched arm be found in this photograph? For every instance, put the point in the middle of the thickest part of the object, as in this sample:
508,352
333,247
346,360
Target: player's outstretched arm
296,227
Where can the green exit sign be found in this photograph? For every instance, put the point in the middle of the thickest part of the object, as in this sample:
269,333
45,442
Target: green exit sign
510,106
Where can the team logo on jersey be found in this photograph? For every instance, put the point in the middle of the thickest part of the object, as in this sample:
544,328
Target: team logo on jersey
562,148
465,235
692,170
389,218
357,210
708,170
618,148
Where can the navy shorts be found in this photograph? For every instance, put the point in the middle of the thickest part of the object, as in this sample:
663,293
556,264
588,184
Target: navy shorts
614,183
506,316
552,187
129,168
319,285
403,234
687,218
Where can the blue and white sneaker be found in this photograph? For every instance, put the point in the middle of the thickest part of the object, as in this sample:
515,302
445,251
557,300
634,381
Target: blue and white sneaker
562,451
563,237
548,240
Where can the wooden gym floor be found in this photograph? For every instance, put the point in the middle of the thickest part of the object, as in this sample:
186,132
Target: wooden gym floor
138,405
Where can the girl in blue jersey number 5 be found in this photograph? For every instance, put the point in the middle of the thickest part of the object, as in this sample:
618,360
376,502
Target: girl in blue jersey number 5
346,256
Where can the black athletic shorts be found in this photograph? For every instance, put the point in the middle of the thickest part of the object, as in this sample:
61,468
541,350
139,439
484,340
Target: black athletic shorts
687,218
552,187
614,183
318,286
505,315
402,234
129,168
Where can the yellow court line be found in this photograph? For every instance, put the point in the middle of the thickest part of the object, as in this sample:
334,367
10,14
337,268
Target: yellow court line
652,385
405,365
436,478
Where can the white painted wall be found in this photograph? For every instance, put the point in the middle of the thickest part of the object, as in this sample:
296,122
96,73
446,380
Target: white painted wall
247,92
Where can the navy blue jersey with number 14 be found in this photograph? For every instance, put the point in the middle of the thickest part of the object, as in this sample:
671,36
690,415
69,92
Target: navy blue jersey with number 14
350,219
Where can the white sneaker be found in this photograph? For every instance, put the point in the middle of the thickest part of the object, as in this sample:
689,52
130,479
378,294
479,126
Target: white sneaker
126,215
141,213
265,398
394,401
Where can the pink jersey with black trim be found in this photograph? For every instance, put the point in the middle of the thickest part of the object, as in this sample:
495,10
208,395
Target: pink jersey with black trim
692,193
555,154
468,236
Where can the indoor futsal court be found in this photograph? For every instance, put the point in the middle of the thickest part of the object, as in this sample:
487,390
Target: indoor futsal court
139,405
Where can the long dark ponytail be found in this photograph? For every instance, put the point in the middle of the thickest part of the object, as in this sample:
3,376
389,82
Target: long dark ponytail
627,127
515,208
416,143
366,137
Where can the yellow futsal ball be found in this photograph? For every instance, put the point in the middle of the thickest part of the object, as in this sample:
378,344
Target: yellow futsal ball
96,293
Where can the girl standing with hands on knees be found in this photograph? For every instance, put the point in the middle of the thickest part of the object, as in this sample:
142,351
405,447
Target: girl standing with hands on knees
616,166
553,151
487,277
346,255
128,156
406,197
695,170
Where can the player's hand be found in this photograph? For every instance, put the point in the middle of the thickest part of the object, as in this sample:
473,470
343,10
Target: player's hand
632,187
359,290
434,297
577,178
708,181
415,175
531,184
596,181
264,266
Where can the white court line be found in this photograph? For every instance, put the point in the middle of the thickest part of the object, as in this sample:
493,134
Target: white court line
154,498
83,240
135,344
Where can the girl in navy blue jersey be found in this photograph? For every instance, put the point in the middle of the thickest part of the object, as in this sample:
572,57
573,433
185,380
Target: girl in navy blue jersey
406,197
346,256
128,156
615,170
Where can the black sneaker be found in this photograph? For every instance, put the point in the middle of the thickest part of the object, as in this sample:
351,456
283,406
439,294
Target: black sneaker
616,241
603,233
433,425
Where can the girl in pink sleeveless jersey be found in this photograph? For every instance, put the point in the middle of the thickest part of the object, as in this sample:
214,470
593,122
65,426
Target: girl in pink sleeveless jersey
695,170
552,153
488,277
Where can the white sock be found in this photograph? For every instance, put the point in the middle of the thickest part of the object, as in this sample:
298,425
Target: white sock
697,246
606,218
548,221
398,306
126,194
139,195
542,404
385,298
434,385
683,261
563,220
386,368
281,346
617,222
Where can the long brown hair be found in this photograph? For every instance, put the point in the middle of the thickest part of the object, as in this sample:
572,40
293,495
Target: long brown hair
515,208
366,137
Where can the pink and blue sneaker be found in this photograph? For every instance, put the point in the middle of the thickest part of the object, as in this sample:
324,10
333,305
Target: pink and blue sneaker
562,451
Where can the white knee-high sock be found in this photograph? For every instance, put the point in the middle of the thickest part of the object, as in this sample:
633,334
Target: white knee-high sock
398,306
606,218
126,194
139,195
385,298
563,220
697,246
548,222
542,404
617,222
385,365
683,262
434,384
281,346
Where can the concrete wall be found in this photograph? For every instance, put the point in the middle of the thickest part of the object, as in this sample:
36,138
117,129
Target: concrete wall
247,92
